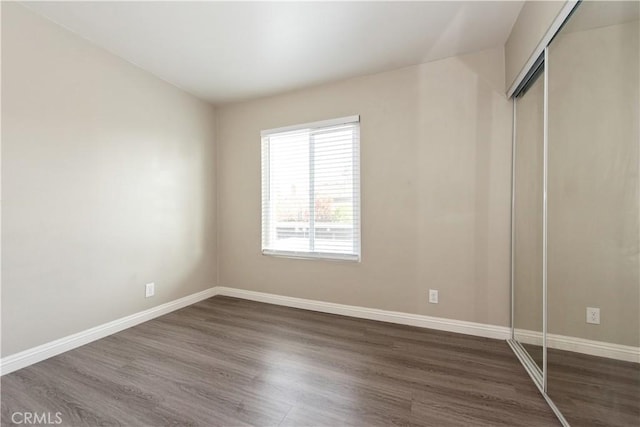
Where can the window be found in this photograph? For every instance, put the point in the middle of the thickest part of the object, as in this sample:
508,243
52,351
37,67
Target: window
311,190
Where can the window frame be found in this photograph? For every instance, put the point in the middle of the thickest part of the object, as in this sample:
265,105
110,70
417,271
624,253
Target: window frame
266,188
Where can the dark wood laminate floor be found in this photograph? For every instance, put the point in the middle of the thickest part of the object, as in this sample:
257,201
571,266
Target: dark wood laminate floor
591,390
535,352
231,362
594,391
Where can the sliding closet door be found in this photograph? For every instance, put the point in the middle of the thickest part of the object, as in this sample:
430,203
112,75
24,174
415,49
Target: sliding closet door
527,243
593,216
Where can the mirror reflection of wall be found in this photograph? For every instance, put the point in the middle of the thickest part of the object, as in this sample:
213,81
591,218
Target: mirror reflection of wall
527,249
593,215
592,303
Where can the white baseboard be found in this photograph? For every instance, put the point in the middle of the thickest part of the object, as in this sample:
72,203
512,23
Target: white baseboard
37,354
439,323
580,345
560,342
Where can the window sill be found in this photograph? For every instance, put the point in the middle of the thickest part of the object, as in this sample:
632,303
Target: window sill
312,256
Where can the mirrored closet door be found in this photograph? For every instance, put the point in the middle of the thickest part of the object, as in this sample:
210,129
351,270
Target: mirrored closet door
576,217
593,281
527,210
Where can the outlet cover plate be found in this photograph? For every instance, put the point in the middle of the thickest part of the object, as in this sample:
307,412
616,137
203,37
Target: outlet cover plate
149,290
593,315
433,296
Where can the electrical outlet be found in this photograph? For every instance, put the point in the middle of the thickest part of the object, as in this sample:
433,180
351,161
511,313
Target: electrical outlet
593,315
433,296
149,290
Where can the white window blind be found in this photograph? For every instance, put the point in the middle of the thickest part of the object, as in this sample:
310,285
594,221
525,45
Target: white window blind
311,190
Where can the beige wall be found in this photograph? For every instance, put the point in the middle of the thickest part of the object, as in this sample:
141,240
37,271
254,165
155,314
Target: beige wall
594,255
108,183
534,20
435,172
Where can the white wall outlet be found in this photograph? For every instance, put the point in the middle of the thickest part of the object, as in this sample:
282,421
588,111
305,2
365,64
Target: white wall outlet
149,290
433,296
593,315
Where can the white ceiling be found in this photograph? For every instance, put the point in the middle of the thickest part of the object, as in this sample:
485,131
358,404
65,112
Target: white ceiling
228,51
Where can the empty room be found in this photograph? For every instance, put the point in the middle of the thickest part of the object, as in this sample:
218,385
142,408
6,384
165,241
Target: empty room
326,213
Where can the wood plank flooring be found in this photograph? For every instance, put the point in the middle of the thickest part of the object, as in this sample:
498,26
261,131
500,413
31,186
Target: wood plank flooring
591,390
535,352
594,391
230,362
